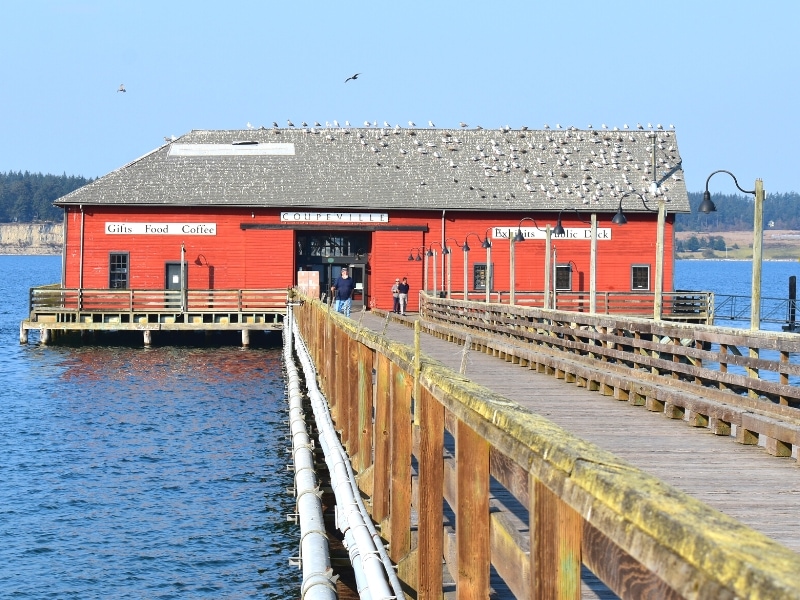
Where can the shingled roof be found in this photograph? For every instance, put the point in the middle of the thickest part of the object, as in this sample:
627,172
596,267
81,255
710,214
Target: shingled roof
401,168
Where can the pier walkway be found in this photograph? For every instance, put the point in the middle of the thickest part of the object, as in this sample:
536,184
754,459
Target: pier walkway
742,481
513,451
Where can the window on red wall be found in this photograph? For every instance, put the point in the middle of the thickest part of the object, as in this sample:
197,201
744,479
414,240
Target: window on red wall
640,277
118,271
564,277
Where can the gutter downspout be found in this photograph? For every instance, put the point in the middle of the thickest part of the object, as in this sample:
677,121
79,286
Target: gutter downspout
444,245
80,268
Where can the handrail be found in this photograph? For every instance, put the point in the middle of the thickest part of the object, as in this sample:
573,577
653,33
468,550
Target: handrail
49,299
736,362
585,506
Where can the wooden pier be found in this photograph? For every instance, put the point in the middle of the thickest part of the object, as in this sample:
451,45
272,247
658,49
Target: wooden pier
575,456
58,311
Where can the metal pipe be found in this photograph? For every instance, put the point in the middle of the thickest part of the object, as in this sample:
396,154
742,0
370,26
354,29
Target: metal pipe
318,583
351,514
80,268
593,268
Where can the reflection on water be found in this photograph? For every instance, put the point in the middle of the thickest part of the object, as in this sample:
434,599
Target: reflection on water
139,473
147,473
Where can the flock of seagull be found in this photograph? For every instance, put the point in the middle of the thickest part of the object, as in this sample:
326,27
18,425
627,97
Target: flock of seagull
432,125
590,166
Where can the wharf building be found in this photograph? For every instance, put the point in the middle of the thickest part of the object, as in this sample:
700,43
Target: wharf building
259,208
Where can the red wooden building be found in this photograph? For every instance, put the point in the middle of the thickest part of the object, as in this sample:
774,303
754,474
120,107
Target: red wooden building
249,209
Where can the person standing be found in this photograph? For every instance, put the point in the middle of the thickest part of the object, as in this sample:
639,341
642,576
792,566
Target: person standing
396,296
342,291
403,293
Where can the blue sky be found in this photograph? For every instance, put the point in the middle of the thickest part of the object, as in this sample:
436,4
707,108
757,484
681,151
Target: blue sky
724,73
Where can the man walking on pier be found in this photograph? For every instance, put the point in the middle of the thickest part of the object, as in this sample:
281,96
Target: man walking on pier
342,291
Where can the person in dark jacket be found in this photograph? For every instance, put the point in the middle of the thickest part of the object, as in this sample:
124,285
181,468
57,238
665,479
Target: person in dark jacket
342,292
403,290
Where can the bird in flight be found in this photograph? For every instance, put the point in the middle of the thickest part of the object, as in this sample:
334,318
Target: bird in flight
121,87
353,77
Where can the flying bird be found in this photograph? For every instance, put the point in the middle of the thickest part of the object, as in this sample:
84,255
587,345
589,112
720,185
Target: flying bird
121,87
352,77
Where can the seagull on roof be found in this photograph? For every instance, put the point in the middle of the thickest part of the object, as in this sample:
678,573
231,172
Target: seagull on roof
462,124
275,124
430,124
411,124
121,87
249,126
354,77
289,123
639,126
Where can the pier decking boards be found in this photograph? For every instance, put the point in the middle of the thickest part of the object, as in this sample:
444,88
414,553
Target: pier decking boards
745,482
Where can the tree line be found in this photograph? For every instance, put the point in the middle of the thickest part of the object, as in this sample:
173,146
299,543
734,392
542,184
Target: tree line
27,197
735,213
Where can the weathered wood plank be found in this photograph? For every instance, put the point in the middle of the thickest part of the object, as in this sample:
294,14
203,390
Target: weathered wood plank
472,513
431,492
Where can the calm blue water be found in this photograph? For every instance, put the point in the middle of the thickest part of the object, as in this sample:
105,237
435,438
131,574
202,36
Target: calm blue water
132,473
733,278
161,473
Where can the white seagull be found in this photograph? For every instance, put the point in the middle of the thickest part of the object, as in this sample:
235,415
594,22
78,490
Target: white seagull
121,87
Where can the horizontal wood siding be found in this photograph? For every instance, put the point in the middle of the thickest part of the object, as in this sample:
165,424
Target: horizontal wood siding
389,260
239,257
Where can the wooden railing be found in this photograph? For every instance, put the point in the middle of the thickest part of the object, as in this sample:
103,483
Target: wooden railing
55,299
580,506
697,307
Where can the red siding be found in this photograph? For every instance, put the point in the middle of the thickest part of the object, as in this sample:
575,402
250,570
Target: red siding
265,258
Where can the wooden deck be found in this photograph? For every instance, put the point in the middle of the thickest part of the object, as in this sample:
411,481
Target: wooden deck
745,482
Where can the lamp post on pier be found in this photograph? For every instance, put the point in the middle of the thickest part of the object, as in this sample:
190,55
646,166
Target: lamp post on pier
707,206
619,219
558,230
449,251
548,237
514,241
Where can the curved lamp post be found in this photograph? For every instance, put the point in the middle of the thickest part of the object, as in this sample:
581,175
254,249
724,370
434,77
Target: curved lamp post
485,243
520,238
619,219
432,253
707,206
559,230
447,250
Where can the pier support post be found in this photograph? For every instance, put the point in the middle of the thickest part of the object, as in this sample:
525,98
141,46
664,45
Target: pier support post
23,334
246,338
44,335
148,337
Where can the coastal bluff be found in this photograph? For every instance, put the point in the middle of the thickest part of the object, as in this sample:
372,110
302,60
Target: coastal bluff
31,238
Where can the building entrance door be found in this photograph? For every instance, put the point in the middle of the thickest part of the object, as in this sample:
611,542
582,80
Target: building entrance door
359,294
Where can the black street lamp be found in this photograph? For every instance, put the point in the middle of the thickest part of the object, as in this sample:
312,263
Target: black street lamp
419,256
619,219
707,206
559,228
